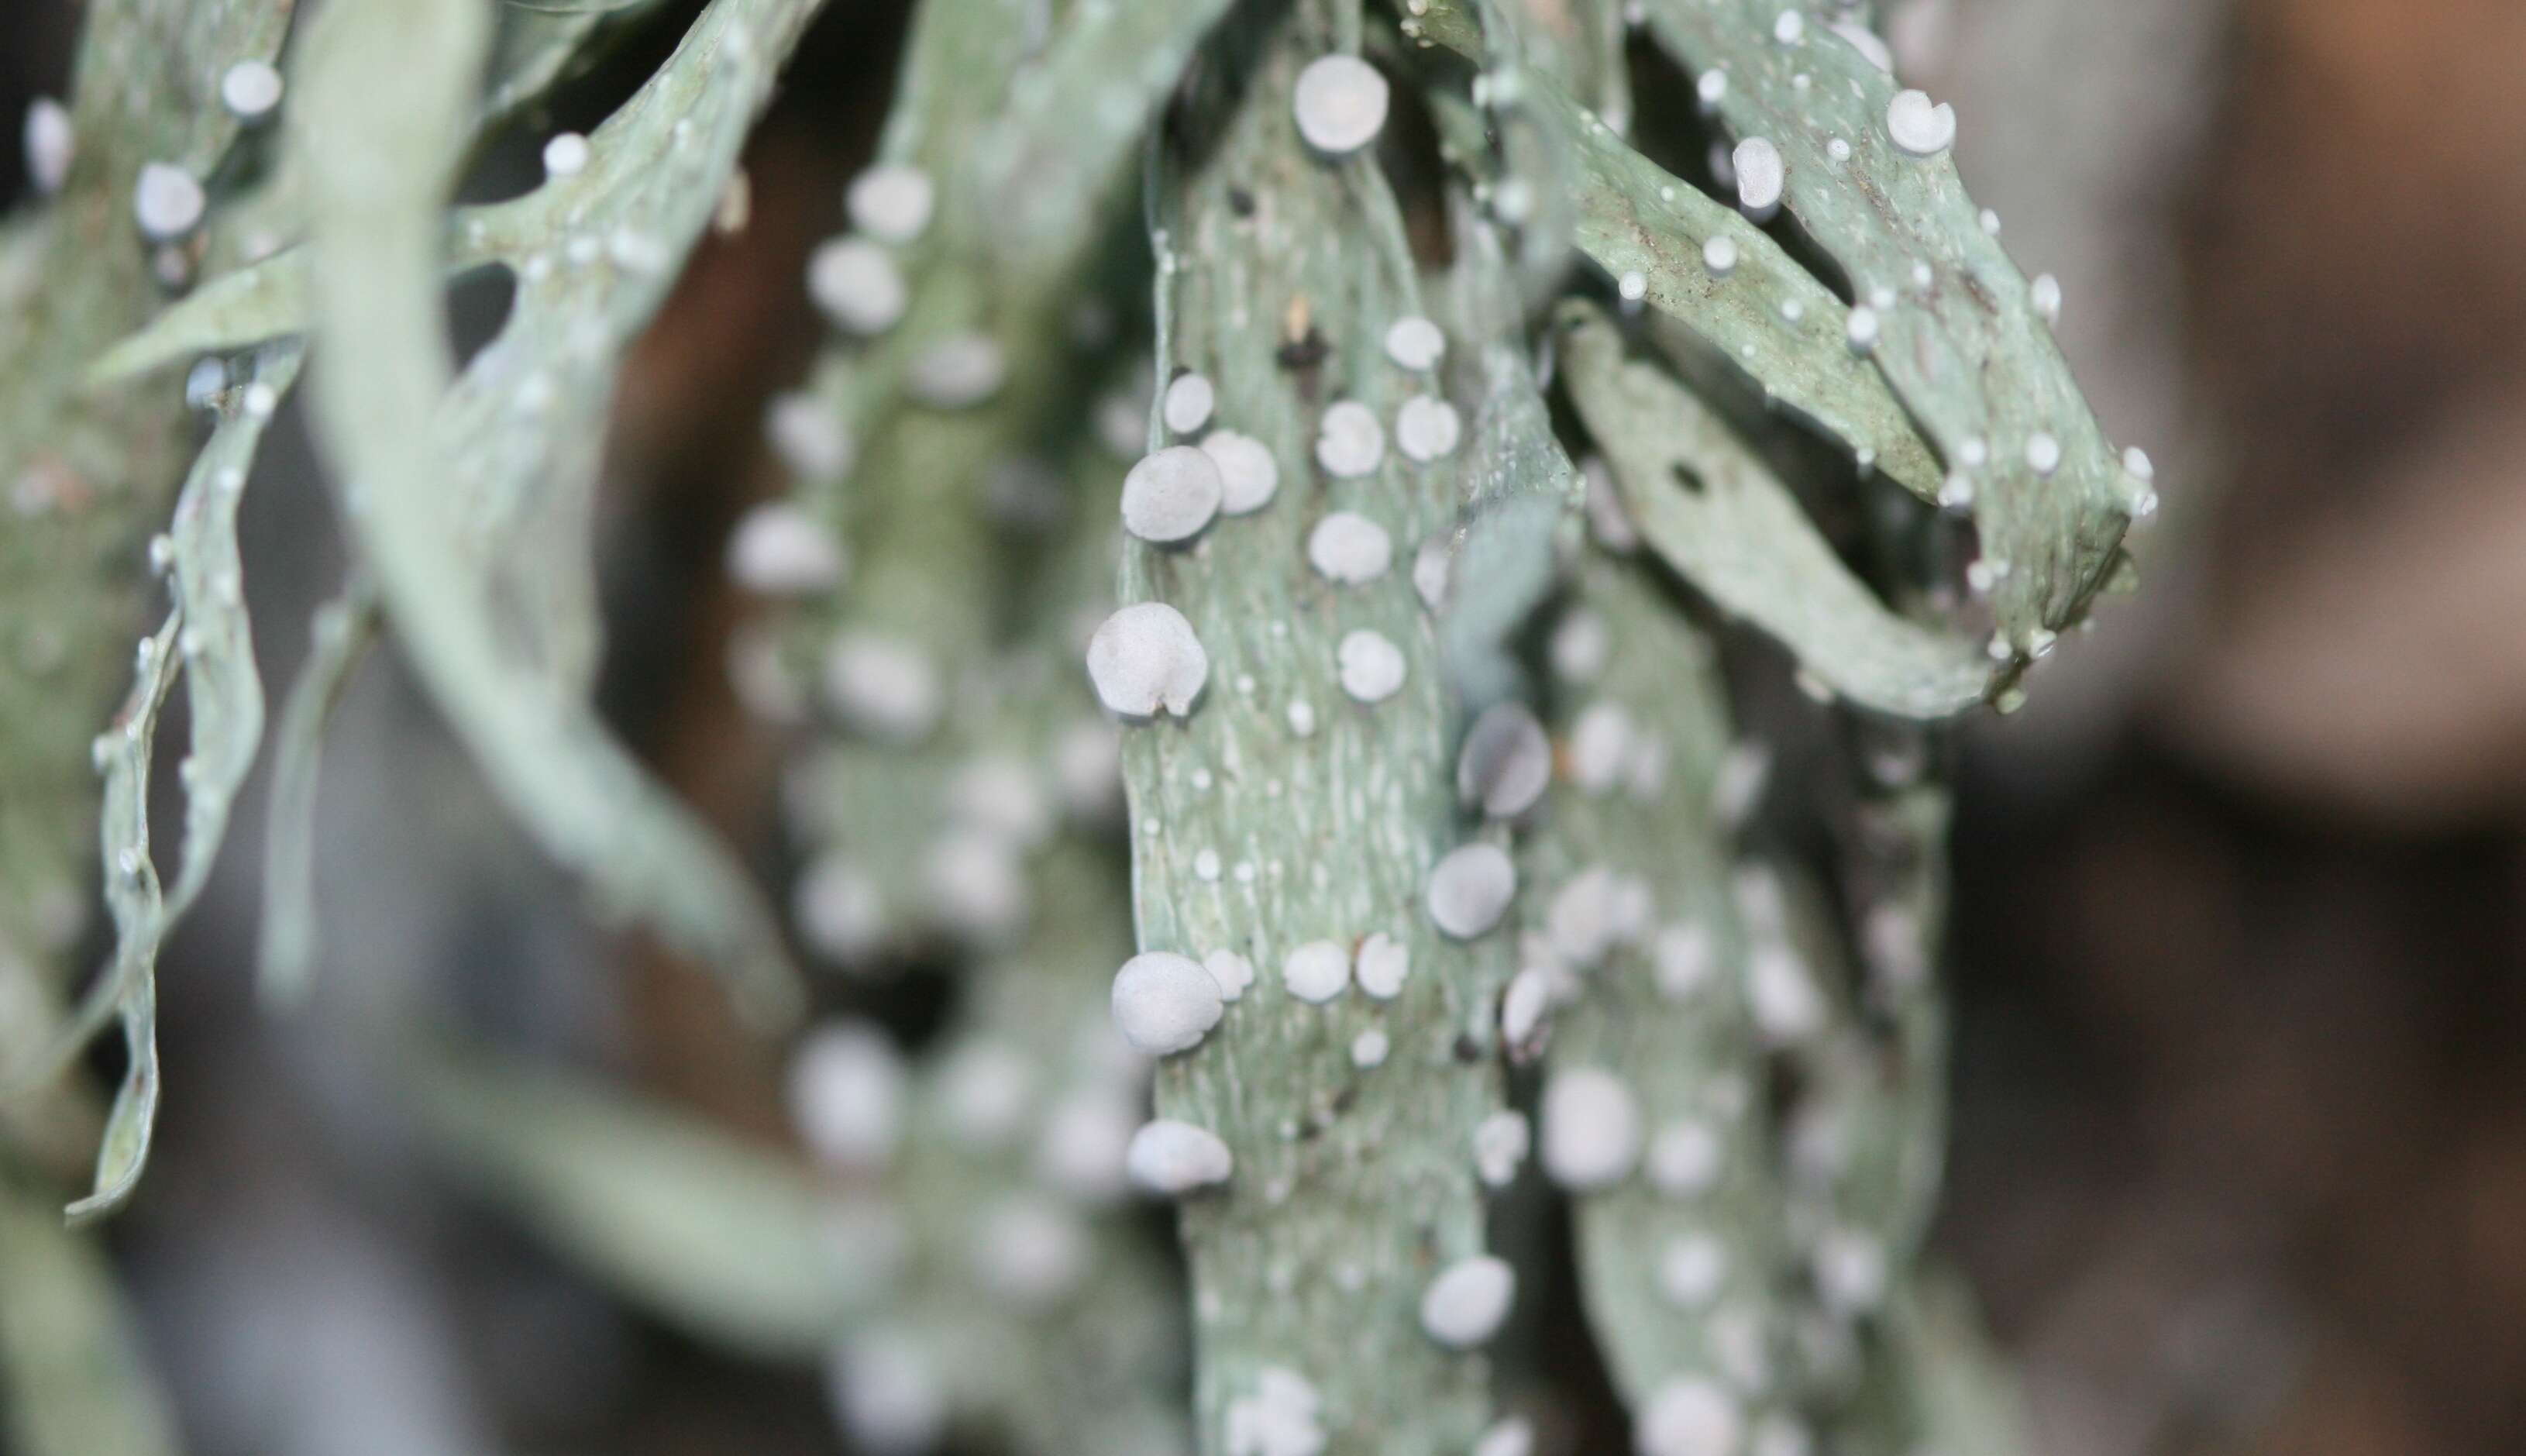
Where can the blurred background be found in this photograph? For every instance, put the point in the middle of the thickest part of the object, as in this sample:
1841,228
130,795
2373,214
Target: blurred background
2239,1144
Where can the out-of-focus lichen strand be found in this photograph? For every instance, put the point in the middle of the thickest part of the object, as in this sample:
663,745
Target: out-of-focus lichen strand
1286,811
470,494
1629,902
1763,312
1959,336
1720,517
207,646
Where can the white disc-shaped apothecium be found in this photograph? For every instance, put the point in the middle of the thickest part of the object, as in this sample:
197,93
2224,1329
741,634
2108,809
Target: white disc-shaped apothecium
1760,174
847,1094
1145,660
1372,667
1500,1145
565,154
250,89
1247,473
1465,1305
1232,971
50,140
890,202
1172,495
1591,1128
883,686
166,201
1427,427
1316,971
1690,1416
1340,103
779,550
807,434
1171,1158
1414,342
1470,889
1918,125
1349,442
1164,1003
1382,966
857,285
1523,1008
1506,762
1350,548
1188,403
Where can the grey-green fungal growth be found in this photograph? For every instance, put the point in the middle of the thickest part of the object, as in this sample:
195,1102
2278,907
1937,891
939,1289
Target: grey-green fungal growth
1195,642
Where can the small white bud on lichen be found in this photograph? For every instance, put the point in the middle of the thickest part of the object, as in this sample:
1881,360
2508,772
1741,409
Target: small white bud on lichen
1350,548
1082,1146
1692,1269
1781,994
1349,442
1170,1158
1145,660
1601,746
1470,889
1414,342
888,1395
1789,28
1340,102
1680,961
1278,1419
1862,330
250,89
1170,496
779,548
857,285
565,155
1865,41
1372,667
1316,971
1165,1003
1512,1436
1506,762
1581,646
166,201
1719,256
882,686
2042,453
1761,175
1187,405
807,435
1233,971
1247,473
1030,1251
50,142
839,910
1690,1416
1591,1128
957,371
1427,427
847,1094
1466,1304
1369,1049
1684,1159
1383,965
1917,126
890,202
2045,293
1523,1005
1500,1145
